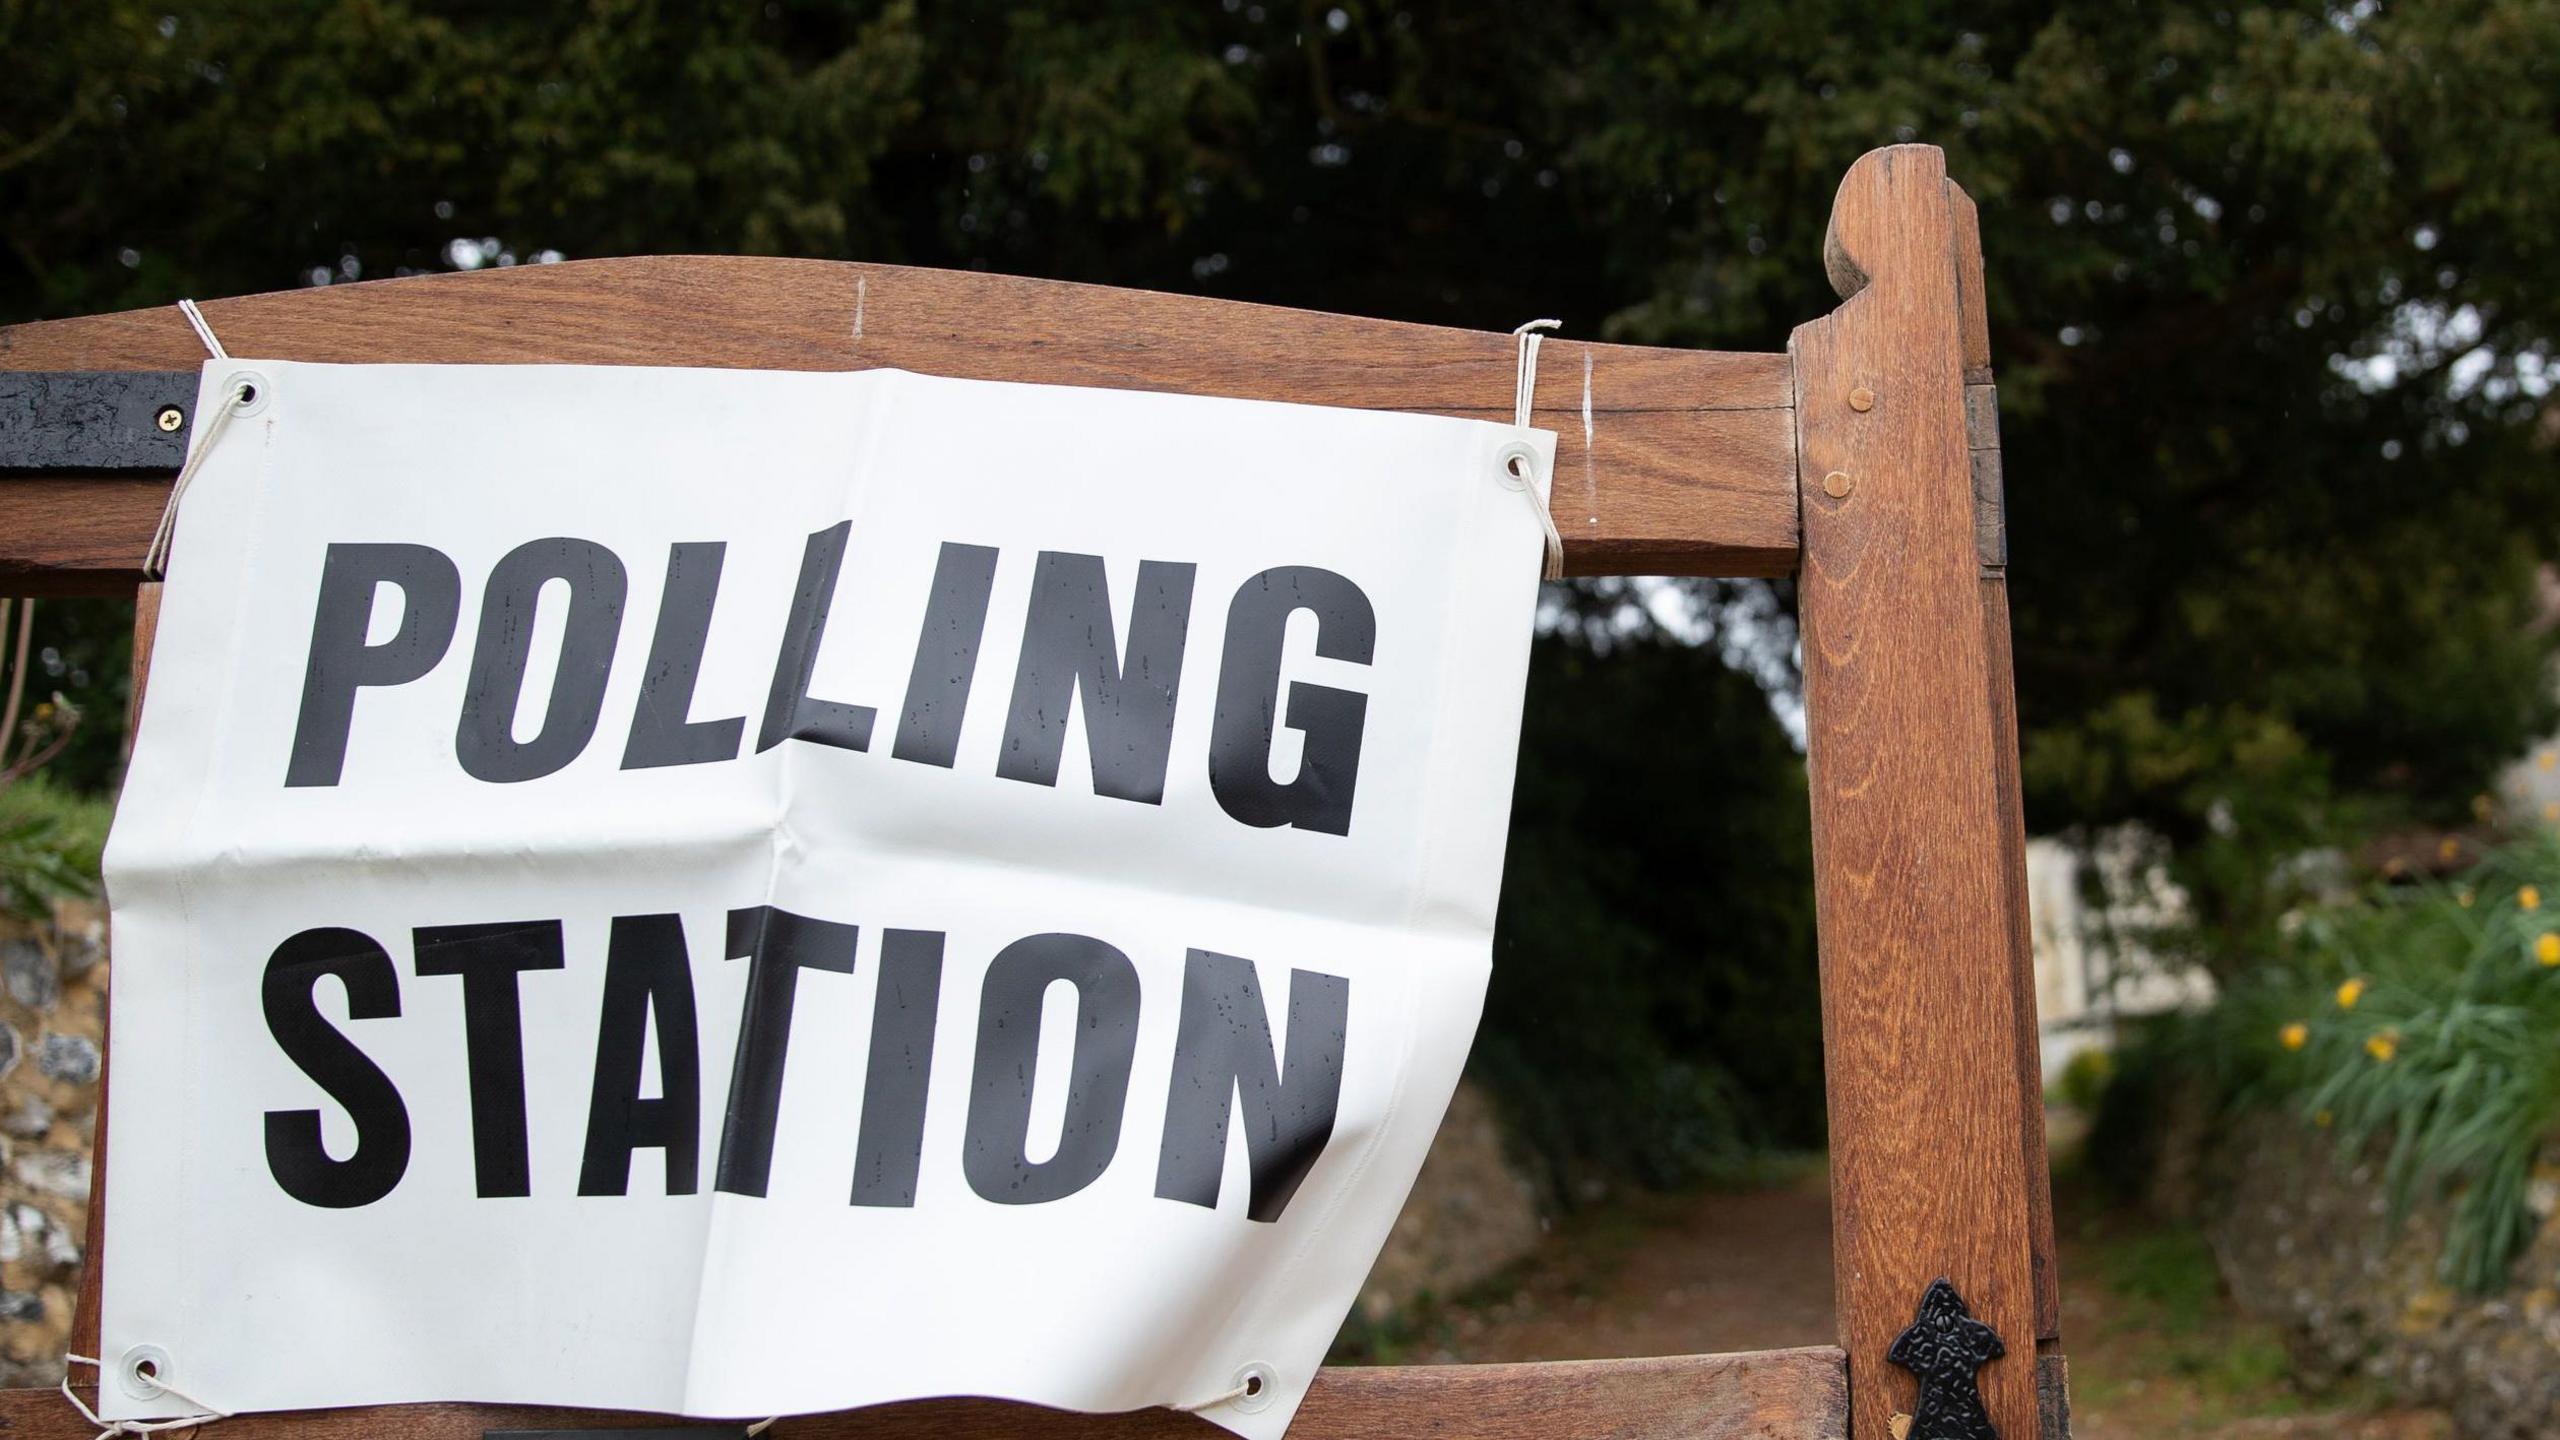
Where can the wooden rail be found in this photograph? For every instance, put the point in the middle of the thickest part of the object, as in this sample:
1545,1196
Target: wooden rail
1866,460
1675,462
1794,1394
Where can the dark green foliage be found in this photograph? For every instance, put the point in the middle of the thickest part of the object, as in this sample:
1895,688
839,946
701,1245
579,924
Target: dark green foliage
2225,548
83,650
50,840
1654,1008
2265,592
2130,1125
2084,1079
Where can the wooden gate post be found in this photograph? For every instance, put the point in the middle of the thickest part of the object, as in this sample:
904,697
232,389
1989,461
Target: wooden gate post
1937,1136
1866,461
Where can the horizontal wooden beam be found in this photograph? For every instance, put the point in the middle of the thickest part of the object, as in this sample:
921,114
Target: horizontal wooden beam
1765,1395
1668,461
75,535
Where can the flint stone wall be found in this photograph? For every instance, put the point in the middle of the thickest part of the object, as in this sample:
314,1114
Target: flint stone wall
53,988
2306,1242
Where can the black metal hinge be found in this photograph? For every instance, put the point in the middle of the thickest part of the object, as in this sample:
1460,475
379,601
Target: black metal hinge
1944,1347
2053,1397
1990,504
95,419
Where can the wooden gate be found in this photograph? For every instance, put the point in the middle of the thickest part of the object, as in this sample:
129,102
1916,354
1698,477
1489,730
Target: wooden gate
1865,461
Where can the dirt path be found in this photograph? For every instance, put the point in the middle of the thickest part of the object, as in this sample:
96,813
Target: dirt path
2155,1349
1660,1275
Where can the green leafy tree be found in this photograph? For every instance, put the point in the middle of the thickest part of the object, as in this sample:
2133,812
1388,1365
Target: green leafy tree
2272,284
2270,289
1654,1011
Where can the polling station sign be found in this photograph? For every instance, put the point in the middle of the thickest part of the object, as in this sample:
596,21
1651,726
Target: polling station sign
737,893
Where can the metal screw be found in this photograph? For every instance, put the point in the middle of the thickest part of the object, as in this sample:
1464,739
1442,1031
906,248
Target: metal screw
170,418
1837,484
1862,399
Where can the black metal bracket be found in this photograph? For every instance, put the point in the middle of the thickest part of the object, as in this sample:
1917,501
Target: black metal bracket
1990,505
1944,1347
112,420
2053,1397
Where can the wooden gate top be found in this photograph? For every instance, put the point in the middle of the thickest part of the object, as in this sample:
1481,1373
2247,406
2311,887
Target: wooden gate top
1865,459
1676,462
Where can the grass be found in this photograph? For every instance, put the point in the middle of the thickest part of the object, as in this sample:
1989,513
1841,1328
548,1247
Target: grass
50,843
2167,1292
2168,1344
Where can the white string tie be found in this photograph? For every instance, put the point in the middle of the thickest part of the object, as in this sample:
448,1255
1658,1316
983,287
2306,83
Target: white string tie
761,1426
1242,1388
155,562
1253,1383
204,332
111,1429
1523,394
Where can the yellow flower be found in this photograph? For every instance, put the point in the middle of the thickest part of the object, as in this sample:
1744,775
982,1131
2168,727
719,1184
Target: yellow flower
2325,1119
2529,898
2546,759
2483,806
2393,866
2350,993
2551,810
2296,1034
2547,949
2449,849
2382,1045
2464,899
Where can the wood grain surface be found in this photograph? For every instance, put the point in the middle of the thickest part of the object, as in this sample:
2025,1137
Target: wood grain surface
1766,1395
2009,850
2009,836
1668,461
1692,463
1914,899
86,1307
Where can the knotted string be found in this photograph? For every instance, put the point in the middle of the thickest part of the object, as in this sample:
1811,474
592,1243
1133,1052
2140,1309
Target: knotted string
111,1429
155,562
1242,1388
1524,393
204,332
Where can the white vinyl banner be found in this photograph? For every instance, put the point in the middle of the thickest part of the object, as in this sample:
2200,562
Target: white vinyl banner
739,893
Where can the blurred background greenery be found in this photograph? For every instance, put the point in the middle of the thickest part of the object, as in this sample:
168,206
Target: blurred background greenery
2273,288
